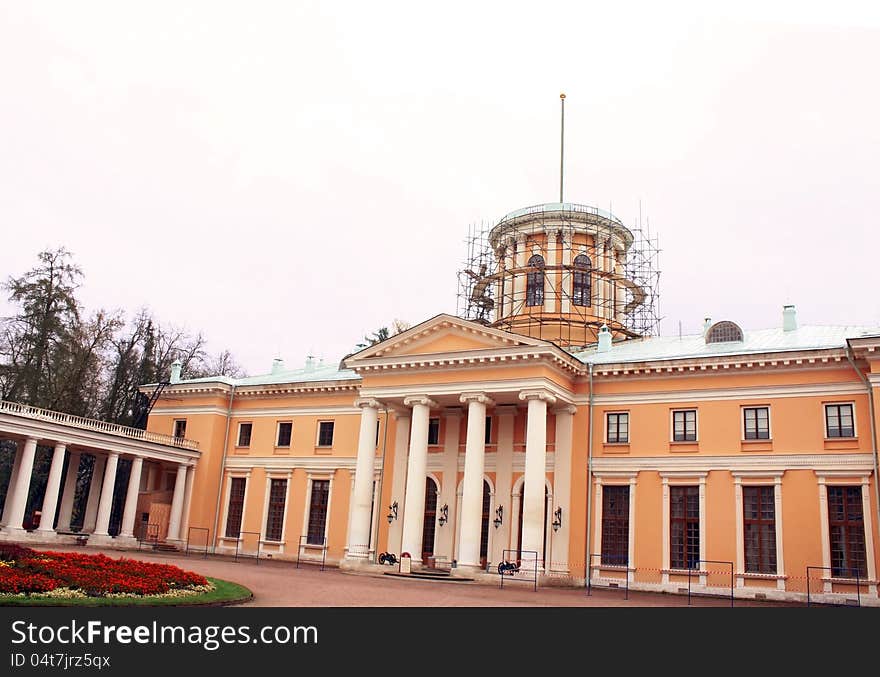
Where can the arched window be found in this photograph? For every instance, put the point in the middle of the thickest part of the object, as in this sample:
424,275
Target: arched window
582,290
535,282
722,332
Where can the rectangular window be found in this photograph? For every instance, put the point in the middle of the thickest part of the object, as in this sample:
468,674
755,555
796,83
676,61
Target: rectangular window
617,428
684,527
615,526
180,428
756,423
759,529
236,507
434,431
275,511
377,433
847,526
285,428
839,420
684,426
318,511
488,438
325,434
244,434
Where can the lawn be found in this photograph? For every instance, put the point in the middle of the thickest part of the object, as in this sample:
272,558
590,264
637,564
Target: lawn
45,578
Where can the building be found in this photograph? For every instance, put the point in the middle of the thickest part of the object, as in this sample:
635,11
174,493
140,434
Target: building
546,430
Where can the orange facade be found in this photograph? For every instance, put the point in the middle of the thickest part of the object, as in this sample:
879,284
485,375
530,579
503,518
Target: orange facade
760,463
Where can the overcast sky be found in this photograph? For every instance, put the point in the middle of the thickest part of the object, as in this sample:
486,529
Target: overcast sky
286,177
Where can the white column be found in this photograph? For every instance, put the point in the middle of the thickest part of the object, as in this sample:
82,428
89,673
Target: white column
16,464
562,485
359,533
187,498
53,486
22,486
177,504
472,486
447,534
94,494
69,492
505,415
414,502
535,474
398,480
106,503
131,498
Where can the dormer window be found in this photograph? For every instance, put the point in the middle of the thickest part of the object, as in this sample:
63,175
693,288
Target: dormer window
724,332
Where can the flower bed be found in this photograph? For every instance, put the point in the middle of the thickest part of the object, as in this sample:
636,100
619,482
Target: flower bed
26,571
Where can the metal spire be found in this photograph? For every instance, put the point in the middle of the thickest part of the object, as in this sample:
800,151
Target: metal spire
561,143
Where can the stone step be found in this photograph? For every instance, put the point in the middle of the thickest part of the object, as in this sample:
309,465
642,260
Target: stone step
430,577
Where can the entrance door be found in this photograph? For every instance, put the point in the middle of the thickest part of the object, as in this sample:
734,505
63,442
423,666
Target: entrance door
484,530
430,520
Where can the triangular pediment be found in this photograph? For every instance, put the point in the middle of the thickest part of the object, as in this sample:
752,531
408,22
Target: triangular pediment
444,335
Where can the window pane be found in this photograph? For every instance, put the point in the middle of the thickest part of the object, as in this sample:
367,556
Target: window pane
318,511
244,435
847,531
325,434
284,431
615,525
275,516
434,431
236,507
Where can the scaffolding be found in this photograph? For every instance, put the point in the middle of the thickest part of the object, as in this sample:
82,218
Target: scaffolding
619,288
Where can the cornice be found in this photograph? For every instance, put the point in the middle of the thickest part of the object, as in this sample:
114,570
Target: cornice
750,463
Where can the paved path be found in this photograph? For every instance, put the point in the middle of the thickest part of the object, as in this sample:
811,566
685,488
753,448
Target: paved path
282,584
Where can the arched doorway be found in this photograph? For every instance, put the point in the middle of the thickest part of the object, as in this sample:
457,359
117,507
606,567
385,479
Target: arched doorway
519,533
484,529
430,525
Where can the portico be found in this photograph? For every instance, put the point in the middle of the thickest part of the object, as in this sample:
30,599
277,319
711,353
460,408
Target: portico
480,429
72,439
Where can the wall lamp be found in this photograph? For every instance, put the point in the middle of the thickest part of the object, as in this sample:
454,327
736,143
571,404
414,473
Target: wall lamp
557,519
444,514
499,516
392,515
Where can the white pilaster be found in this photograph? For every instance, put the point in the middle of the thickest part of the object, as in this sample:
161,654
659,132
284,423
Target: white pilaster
177,504
398,479
103,521
562,485
21,488
131,497
53,486
535,475
519,280
505,415
448,533
869,534
472,488
551,290
567,241
359,535
414,503
91,515
69,492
